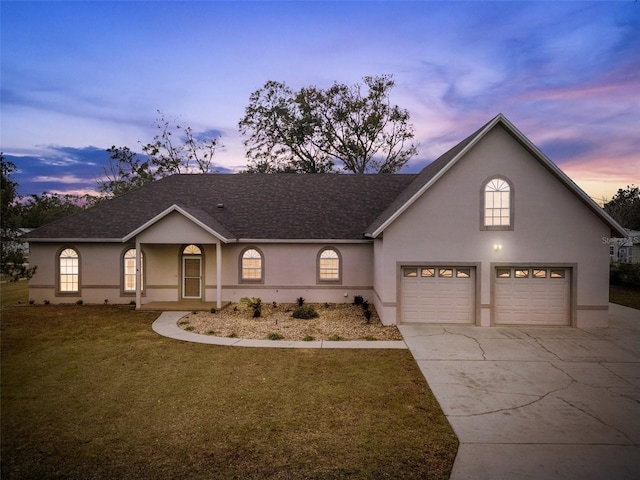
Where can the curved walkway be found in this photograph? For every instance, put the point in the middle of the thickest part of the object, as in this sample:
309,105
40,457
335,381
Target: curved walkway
167,325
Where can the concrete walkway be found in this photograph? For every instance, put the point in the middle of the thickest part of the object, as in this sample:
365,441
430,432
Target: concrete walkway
167,325
536,402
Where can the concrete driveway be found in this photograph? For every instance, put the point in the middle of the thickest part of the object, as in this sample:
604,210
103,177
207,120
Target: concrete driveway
537,402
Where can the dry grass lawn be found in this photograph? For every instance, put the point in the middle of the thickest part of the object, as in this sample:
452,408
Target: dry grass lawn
91,392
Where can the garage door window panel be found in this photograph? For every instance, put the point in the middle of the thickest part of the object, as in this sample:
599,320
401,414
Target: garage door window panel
428,272
410,272
445,272
539,273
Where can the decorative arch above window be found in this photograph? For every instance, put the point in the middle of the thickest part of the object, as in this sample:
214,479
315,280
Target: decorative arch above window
251,265
68,271
329,265
129,271
497,204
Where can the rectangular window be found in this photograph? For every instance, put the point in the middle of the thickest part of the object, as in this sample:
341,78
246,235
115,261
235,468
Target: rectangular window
428,272
557,273
503,272
445,272
130,275
463,272
68,274
251,268
539,273
329,269
410,272
522,273
611,250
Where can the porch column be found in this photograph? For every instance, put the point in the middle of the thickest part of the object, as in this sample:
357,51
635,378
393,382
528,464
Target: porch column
138,276
219,274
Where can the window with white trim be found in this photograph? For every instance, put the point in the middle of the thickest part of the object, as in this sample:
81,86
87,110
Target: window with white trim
129,269
497,205
251,265
329,265
69,271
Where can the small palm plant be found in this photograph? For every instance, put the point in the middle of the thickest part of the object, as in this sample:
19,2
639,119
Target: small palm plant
253,303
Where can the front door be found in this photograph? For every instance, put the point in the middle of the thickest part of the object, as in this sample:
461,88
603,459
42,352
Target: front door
191,277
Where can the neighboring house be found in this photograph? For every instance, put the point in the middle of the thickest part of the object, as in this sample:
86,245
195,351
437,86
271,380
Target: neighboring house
490,233
625,249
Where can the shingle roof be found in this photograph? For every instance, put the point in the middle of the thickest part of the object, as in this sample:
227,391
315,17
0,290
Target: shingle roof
256,206
284,206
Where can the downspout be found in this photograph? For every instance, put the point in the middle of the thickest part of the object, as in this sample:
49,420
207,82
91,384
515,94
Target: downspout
138,276
219,274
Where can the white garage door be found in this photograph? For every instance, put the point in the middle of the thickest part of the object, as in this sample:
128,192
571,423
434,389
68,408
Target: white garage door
532,296
438,294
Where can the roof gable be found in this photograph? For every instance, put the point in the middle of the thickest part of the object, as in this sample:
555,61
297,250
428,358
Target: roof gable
434,171
199,217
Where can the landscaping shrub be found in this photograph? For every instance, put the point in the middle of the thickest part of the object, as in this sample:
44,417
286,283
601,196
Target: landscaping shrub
367,315
253,303
300,301
357,300
275,336
305,312
627,274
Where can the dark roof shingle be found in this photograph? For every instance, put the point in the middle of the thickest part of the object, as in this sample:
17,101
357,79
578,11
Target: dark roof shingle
257,206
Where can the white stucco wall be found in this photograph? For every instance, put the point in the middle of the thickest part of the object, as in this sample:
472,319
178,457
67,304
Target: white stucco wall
551,226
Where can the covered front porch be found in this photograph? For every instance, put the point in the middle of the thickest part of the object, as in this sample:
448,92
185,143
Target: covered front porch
182,262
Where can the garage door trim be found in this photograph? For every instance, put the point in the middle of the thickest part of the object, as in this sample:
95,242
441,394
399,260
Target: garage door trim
571,272
475,266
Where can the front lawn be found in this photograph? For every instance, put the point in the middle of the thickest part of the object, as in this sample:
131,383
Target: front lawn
623,295
93,392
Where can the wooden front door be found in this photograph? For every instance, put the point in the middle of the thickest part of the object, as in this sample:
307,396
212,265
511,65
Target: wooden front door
192,277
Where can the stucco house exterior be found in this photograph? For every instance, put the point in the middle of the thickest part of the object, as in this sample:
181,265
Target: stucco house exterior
490,233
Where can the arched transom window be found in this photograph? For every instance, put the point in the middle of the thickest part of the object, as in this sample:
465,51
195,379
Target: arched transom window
130,270
69,267
251,265
497,203
329,265
192,250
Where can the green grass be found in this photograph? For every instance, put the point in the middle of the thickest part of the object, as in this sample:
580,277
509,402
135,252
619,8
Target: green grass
627,296
91,392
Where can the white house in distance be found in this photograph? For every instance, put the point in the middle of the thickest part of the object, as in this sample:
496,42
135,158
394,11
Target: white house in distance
491,233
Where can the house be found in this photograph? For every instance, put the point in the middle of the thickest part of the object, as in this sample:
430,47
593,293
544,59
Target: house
625,249
490,233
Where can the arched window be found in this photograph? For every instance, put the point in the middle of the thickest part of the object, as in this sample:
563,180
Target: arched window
329,265
497,205
69,271
129,269
192,250
251,265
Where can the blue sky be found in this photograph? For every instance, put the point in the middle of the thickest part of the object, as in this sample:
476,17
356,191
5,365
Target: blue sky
78,77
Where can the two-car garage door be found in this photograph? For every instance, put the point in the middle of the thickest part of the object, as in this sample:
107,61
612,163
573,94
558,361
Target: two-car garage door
522,295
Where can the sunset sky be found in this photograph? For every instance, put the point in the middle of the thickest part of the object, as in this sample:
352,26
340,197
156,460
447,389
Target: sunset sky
78,77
